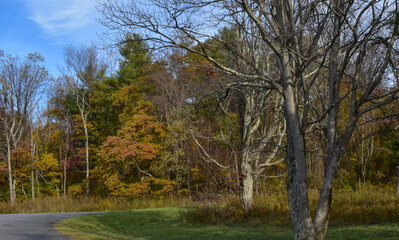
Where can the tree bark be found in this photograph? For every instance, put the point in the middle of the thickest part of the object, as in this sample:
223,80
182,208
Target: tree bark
298,190
297,186
324,203
247,192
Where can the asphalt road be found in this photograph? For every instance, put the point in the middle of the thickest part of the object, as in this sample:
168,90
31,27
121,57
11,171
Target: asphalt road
32,226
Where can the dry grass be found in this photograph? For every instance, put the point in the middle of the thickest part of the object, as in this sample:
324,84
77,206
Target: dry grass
371,205
89,204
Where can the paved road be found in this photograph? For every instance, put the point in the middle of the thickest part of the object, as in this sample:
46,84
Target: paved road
32,226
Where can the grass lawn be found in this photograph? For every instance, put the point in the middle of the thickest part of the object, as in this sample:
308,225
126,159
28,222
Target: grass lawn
165,223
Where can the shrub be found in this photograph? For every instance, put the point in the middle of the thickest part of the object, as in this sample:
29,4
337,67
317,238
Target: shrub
75,190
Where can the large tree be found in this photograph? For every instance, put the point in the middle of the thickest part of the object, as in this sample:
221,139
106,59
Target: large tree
316,47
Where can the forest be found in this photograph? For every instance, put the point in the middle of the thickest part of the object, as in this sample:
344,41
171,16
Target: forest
204,99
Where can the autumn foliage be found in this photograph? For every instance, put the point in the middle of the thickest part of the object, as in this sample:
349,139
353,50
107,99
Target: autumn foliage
127,159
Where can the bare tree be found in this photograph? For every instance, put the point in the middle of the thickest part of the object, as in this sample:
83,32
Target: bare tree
84,68
21,84
318,48
260,133
259,108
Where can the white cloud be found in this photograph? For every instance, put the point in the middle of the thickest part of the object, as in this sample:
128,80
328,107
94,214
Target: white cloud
58,17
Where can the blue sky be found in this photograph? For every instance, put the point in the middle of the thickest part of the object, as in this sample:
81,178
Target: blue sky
47,27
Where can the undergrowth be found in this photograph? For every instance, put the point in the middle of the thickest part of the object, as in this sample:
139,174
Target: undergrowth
371,205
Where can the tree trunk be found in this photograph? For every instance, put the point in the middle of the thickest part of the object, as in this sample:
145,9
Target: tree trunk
334,148
298,193
297,186
32,182
14,195
249,125
10,178
32,171
325,200
397,181
37,182
60,157
65,159
65,176
9,167
23,191
237,172
87,158
247,192
298,199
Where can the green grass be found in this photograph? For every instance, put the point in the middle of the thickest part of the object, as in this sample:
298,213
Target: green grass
375,232
166,223
160,223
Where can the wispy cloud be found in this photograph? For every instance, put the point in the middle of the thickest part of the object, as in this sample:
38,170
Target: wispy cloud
57,17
